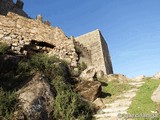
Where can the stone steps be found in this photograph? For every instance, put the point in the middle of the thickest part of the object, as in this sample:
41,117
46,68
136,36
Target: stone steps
121,105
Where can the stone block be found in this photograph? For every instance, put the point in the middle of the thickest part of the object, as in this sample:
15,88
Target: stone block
88,74
8,38
89,90
1,36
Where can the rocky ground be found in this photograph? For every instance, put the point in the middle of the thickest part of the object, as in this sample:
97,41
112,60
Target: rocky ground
114,110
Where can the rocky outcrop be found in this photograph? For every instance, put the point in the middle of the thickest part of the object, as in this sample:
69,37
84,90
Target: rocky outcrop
157,75
88,74
89,90
37,98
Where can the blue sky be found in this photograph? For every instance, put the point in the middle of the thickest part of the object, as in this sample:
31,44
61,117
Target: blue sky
130,27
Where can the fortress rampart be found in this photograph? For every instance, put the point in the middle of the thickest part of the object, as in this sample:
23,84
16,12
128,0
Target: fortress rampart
24,34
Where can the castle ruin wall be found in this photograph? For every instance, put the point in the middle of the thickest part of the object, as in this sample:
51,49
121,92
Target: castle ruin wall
18,31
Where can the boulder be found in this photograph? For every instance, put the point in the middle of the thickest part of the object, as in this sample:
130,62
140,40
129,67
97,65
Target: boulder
89,90
157,75
99,103
156,95
37,98
99,74
117,77
88,74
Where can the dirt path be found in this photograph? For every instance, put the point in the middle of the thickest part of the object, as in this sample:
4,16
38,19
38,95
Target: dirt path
114,110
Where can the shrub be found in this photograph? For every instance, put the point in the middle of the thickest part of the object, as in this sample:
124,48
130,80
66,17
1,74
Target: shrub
68,104
8,104
3,48
42,61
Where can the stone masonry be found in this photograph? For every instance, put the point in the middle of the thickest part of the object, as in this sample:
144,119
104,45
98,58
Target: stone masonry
23,33
19,31
100,57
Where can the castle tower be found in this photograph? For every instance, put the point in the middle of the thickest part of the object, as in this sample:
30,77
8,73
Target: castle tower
100,57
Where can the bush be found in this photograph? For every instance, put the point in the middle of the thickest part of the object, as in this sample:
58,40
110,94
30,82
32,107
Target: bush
3,48
8,104
68,104
42,61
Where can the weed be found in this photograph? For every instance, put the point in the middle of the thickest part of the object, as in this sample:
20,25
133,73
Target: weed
8,104
68,104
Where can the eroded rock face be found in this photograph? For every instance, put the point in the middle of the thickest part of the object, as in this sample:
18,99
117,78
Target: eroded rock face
89,90
88,74
157,75
37,98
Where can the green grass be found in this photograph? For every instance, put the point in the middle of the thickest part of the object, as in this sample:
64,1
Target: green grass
113,89
142,103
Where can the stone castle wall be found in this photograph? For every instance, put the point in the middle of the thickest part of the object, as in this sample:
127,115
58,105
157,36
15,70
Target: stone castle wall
100,57
23,33
84,54
106,55
19,31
